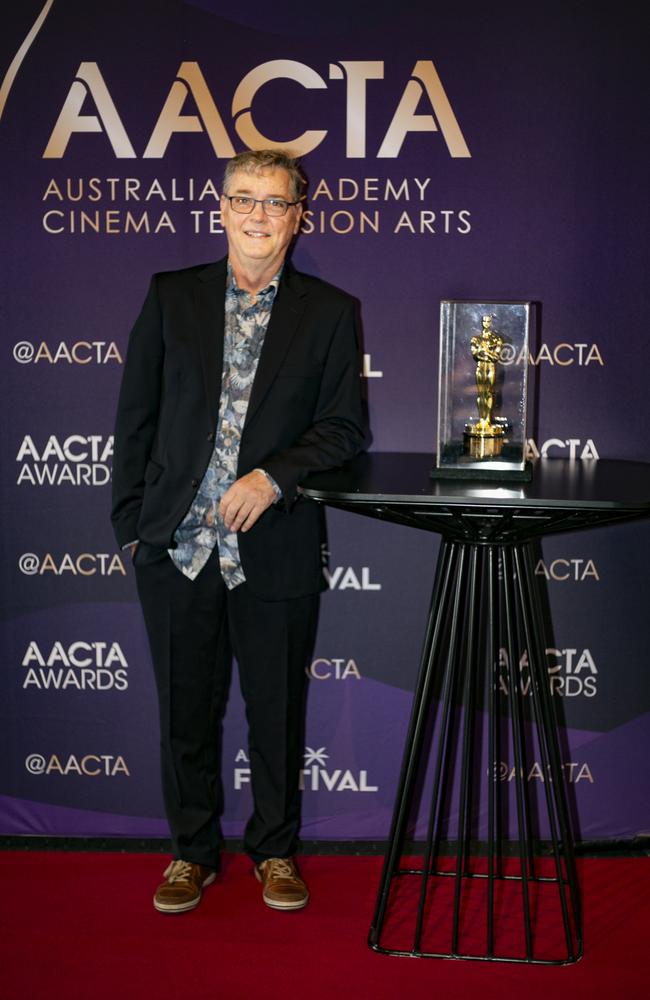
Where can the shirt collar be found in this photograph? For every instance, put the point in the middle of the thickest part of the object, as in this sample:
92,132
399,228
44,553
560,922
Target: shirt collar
272,287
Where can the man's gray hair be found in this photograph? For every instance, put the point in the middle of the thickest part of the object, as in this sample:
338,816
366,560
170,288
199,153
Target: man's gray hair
254,161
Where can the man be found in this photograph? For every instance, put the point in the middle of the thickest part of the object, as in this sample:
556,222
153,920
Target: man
241,377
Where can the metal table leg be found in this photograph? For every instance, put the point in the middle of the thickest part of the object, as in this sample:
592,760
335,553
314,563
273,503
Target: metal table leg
483,593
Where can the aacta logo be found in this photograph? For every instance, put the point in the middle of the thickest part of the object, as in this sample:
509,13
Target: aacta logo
563,355
572,448
571,672
78,654
85,666
81,352
336,668
358,77
79,564
90,765
568,569
78,460
573,772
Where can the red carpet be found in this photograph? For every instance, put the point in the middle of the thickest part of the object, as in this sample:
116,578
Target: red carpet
82,927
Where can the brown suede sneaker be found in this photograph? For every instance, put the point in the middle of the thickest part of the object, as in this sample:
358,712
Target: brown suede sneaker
181,890
283,887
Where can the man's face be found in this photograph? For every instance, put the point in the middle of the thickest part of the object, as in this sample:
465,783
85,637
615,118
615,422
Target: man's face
257,238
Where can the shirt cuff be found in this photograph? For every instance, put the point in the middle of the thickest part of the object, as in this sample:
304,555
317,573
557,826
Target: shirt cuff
276,488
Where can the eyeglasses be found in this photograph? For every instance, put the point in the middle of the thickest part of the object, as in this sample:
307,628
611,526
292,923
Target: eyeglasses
275,207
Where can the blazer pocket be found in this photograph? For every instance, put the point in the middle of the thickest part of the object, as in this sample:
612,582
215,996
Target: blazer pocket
152,472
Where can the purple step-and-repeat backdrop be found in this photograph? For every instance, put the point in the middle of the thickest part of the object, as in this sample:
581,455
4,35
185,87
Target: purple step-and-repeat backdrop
453,151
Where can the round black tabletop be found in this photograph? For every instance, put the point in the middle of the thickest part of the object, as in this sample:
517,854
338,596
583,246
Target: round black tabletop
563,495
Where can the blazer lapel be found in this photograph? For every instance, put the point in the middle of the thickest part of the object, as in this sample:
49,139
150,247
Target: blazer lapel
285,318
210,292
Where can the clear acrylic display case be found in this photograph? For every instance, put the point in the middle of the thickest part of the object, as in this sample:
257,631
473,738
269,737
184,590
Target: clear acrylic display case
483,384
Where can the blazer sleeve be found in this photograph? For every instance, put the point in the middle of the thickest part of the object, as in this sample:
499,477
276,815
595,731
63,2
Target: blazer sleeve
137,416
337,430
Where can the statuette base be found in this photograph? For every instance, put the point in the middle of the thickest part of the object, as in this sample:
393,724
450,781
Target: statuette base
479,444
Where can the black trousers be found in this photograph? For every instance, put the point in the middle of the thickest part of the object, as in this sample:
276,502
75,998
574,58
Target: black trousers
194,628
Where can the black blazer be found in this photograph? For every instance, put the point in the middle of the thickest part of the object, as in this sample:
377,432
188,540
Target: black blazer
304,414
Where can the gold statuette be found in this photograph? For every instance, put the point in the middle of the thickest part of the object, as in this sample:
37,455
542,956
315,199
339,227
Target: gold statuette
484,439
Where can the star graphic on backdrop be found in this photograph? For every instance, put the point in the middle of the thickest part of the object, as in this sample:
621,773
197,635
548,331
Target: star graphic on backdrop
315,756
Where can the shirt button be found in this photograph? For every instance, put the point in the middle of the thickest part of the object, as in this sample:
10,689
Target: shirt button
210,437
195,483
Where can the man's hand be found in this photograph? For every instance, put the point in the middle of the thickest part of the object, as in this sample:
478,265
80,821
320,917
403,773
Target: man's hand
246,500
133,547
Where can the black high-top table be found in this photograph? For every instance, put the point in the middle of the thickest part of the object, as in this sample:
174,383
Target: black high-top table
472,896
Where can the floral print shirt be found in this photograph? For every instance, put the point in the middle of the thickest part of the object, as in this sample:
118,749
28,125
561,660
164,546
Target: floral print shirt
246,321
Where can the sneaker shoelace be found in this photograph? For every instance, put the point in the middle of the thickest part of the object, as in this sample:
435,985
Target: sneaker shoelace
280,868
180,871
